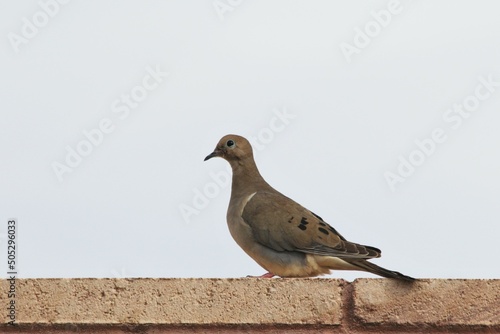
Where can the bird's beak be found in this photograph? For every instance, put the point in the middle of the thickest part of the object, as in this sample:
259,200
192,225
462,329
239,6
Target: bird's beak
215,153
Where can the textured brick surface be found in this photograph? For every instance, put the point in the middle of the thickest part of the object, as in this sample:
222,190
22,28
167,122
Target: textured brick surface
436,303
297,306
178,301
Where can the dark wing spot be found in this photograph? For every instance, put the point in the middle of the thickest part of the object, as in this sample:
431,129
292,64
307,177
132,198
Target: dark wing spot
303,223
322,230
322,224
315,215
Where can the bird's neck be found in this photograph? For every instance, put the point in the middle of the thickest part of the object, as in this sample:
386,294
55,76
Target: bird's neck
246,178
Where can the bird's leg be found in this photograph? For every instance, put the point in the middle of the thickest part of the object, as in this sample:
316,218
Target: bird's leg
266,275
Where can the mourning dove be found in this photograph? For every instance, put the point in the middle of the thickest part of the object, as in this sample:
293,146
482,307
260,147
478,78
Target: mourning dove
282,236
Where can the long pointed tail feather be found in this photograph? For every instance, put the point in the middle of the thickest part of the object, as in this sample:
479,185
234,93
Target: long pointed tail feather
374,269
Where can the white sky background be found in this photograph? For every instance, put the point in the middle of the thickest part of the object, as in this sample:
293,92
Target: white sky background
117,214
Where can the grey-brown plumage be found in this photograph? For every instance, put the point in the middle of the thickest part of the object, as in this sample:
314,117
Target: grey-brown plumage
282,236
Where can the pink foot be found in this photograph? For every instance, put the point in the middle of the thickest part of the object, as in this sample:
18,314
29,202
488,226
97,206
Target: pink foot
266,275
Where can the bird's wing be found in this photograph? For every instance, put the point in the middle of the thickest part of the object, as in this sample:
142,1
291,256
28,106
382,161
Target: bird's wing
282,224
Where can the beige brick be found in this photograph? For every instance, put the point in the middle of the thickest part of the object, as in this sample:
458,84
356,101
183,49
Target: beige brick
436,302
178,301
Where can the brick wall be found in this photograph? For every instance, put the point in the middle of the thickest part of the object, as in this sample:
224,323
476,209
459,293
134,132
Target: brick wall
252,305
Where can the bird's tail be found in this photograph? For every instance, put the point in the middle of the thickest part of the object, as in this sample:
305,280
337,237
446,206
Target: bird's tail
374,269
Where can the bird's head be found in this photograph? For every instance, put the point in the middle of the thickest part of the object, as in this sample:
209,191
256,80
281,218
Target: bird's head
232,148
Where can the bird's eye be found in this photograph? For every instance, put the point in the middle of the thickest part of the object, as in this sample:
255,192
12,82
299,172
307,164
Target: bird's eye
230,143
